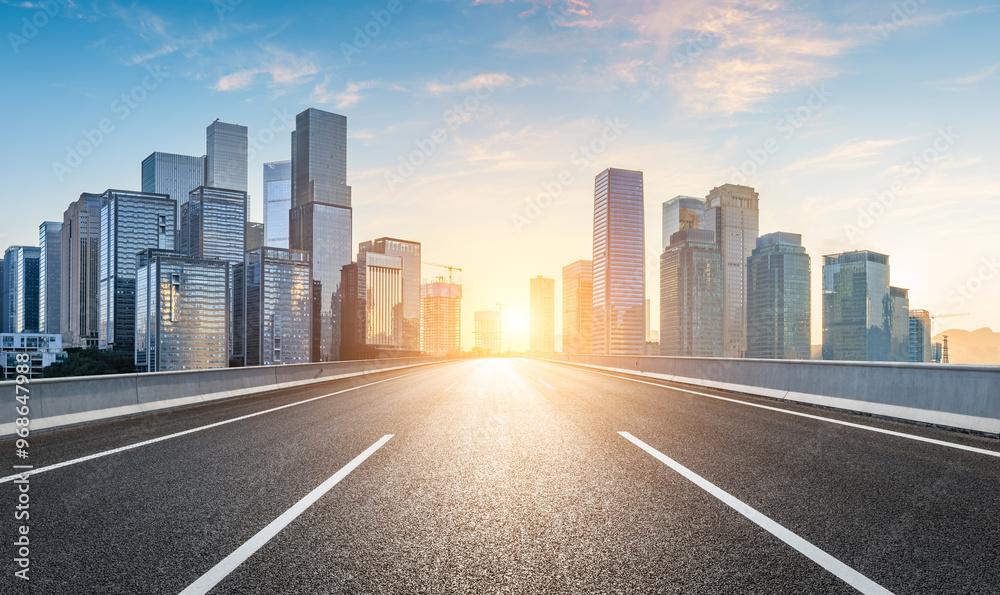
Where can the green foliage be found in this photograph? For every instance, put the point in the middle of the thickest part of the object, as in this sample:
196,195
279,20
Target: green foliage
91,362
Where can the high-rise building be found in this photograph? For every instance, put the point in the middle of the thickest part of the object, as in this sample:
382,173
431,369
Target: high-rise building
22,263
440,318
254,235
487,331
181,312
619,264
857,307
277,202
273,308
50,253
81,234
372,307
3,297
680,213
226,156
899,327
320,218
543,315
920,348
732,212
778,305
691,295
173,175
130,223
213,224
409,254
578,306
41,349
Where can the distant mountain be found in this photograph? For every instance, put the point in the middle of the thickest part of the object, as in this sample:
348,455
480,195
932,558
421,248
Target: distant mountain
971,347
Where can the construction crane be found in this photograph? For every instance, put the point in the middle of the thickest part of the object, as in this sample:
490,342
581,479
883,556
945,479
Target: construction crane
444,266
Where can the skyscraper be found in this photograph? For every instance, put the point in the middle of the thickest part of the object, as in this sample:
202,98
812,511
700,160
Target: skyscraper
274,307
81,233
372,307
173,175
691,295
49,270
3,297
857,307
22,277
226,156
543,315
778,305
619,265
254,235
578,306
409,254
732,212
899,326
440,318
277,202
680,213
920,348
213,224
181,312
130,222
320,218
487,331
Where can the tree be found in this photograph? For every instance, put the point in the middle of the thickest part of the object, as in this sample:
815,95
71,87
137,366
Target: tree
90,362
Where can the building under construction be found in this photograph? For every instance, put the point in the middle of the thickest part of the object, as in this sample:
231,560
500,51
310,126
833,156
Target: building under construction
440,317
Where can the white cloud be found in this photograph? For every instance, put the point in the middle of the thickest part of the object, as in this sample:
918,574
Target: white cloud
486,80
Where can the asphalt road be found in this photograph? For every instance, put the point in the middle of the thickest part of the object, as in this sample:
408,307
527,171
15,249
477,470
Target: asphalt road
506,476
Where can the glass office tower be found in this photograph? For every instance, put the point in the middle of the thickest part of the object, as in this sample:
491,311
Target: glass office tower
542,338
277,202
173,175
577,306
274,308
857,307
680,213
732,212
691,295
409,254
372,307
50,254
618,326
778,304
320,219
130,222
181,312
920,348
22,263
213,224
3,296
81,234
899,327
226,156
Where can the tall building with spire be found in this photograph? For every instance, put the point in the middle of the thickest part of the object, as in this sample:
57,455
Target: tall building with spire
618,323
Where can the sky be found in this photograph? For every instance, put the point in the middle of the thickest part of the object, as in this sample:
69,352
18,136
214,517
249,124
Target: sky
476,127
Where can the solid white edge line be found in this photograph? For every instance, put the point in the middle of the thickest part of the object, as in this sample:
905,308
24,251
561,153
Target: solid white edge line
546,384
833,565
207,581
451,387
190,431
983,451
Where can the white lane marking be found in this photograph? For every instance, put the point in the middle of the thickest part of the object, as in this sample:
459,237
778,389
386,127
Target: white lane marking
546,384
983,451
835,566
450,387
221,570
191,431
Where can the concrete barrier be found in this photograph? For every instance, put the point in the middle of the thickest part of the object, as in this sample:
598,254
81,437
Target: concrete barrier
955,396
61,402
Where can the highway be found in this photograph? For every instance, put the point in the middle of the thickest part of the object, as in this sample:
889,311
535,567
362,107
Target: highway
506,476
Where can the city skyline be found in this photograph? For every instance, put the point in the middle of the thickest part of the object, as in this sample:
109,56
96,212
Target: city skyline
817,115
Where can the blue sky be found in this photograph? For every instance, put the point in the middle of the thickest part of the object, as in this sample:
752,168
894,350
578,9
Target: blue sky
822,107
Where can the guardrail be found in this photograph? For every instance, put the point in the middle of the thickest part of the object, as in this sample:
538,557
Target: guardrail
60,402
956,396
